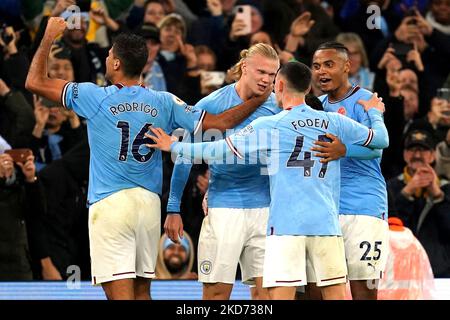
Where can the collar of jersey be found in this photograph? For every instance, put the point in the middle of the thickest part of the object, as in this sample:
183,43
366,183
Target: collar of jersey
121,85
350,92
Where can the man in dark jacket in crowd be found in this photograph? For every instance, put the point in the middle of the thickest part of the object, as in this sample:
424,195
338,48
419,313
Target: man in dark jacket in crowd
16,117
20,199
64,226
423,201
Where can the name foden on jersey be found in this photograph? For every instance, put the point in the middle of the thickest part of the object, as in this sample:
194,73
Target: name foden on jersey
133,107
317,123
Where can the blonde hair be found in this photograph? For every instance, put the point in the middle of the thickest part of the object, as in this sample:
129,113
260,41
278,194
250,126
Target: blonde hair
353,38
260,48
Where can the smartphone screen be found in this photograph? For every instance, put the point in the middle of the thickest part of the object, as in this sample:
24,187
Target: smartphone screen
213,78
401,48
19,155
443,93
244,13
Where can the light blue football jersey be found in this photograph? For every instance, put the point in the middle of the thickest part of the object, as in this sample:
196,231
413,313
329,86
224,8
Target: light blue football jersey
357,175
239,185
117,118
304,192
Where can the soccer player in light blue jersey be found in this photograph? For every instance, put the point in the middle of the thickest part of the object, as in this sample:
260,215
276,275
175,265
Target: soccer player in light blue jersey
238,197
303,225
125,175
363,201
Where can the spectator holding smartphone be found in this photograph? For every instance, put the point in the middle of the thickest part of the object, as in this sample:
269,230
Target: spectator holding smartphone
20,197
427,43
247,19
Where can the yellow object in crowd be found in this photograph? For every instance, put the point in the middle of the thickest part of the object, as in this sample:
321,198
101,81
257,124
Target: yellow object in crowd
93,25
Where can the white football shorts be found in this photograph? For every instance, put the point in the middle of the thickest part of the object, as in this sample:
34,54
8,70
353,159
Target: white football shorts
228,237
124,233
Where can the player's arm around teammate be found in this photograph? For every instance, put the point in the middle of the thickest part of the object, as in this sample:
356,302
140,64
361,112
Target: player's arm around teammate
234,116
375,137
335,149
378,137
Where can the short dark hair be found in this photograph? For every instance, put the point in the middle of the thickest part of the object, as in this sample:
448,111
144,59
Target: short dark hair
149,31
297,74
153,1
314,102
339,47
132,52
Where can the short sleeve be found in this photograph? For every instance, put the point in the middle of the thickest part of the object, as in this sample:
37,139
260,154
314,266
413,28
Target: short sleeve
184,115
352,132
83,98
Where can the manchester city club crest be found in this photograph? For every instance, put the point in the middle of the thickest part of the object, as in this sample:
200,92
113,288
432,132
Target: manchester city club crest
205,267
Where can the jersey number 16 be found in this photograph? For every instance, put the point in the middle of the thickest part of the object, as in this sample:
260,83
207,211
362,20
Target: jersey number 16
138,141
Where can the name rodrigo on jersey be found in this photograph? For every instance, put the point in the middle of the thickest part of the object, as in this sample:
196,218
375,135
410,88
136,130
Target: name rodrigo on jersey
133,107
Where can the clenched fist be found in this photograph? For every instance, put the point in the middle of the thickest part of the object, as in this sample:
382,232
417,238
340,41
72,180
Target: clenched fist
55,27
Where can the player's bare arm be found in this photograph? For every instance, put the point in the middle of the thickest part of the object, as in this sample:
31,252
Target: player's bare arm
37,80
234,116
335,149
173,227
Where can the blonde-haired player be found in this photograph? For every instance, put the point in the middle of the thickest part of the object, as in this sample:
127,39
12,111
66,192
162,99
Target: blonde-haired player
234,229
